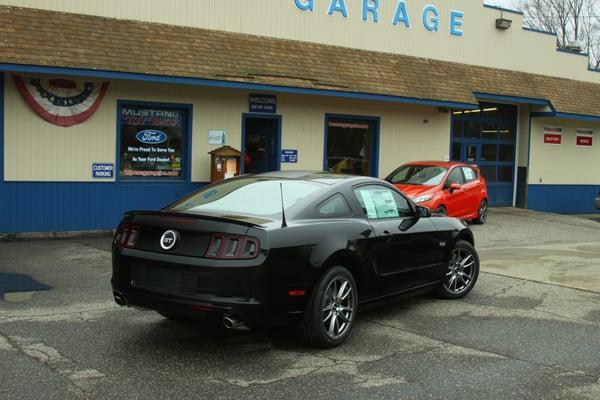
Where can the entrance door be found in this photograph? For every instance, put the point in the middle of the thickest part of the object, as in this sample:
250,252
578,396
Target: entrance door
261,144
487,138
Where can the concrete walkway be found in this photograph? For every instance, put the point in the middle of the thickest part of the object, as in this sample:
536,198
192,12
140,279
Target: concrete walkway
549,248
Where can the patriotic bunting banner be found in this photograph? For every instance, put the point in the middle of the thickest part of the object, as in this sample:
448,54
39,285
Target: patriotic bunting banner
62,102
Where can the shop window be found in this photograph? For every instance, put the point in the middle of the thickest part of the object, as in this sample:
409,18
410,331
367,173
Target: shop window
457,128
351,146
472,129
153,141
505,174
489,152
507,153
489,172
456,151
489,130
507,131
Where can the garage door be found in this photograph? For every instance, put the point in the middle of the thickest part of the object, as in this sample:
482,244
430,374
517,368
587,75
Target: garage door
486,137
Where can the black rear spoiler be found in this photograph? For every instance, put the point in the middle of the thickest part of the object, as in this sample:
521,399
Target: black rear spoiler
238,219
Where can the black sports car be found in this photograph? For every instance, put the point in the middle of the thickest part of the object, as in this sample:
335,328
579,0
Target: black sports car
289,247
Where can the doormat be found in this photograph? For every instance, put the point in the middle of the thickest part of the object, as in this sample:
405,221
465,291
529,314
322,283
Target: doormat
11,283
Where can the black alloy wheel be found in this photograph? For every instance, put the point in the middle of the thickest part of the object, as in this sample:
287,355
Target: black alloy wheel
482,213
462,272
331,311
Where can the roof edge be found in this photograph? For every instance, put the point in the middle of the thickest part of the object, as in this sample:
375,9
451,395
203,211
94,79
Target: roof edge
182,80
577,117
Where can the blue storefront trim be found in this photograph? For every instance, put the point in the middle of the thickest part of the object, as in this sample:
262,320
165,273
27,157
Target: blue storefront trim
563,199
577,117
80,206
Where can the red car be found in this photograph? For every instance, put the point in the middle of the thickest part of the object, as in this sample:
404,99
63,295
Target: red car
450,188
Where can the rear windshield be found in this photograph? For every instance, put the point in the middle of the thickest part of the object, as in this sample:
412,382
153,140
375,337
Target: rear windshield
418,175
258,197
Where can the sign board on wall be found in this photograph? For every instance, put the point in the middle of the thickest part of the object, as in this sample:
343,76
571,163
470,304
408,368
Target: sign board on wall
216,137
289,156
103,170
553,135
263,103
585,137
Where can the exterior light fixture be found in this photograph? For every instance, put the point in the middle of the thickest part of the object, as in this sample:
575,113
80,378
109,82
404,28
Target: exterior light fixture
503,23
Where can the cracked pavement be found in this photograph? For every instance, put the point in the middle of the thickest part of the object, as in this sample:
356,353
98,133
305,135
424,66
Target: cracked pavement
526,335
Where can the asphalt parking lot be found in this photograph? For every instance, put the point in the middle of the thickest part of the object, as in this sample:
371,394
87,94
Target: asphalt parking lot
529,330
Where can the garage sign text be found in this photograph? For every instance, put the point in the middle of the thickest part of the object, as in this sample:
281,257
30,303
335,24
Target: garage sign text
402,17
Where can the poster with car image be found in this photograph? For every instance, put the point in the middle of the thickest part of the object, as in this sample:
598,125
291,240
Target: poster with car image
152,142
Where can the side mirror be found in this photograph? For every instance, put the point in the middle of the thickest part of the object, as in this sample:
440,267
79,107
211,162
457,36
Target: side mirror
423,212
454,187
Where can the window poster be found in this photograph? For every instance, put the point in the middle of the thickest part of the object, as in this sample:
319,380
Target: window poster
152,142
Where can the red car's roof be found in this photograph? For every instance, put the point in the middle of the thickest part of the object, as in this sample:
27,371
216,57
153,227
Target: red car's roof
447,164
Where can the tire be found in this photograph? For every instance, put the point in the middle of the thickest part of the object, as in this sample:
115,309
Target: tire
463,265
328,320
481,213
442,211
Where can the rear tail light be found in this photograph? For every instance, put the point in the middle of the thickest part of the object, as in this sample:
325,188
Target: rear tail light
223,246
127,235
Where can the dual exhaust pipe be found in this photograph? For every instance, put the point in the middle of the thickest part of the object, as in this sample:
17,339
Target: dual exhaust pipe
234,324
229,321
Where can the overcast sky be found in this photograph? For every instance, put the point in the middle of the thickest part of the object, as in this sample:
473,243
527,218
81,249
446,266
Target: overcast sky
502,3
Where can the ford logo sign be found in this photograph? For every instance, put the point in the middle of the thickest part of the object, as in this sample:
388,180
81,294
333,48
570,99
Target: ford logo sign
169,239
151,137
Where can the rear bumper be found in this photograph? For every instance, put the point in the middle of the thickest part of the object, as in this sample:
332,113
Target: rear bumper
201,292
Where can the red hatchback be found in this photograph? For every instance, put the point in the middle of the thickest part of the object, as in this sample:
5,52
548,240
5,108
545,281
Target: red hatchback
450,188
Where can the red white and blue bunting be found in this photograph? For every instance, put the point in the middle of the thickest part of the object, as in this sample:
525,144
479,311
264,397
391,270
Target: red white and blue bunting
62,102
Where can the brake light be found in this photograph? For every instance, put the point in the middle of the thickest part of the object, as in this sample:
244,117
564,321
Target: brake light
127,235
224,246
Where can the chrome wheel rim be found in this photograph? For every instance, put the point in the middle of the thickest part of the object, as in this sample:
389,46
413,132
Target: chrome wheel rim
338,307
461,271
482,211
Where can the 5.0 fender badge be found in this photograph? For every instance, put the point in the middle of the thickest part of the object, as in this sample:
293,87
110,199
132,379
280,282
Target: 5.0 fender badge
169,239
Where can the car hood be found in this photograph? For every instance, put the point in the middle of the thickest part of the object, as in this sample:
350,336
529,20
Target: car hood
415,190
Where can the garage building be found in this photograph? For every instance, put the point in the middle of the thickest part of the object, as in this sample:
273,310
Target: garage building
107,106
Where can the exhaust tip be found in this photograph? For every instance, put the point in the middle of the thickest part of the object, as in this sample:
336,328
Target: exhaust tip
119,299
232,323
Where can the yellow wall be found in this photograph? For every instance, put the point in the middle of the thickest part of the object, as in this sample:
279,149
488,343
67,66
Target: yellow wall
567,163
482,44
38,151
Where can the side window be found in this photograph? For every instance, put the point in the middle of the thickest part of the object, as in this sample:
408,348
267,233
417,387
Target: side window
379,202
470,174
456,176
335,206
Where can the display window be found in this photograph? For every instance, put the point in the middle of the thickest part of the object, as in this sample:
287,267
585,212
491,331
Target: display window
351,146
153,141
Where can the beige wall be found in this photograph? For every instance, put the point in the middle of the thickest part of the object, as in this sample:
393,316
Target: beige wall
38,151
566,163
482,43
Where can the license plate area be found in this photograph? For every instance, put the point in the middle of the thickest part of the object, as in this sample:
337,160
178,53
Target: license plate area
163,278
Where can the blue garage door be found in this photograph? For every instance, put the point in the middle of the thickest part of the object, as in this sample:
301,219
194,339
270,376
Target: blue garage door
486,137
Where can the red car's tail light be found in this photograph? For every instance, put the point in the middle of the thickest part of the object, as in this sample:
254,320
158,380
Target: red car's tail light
224,246
127,235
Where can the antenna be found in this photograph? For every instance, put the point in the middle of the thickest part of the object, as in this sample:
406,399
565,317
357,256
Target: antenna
283,222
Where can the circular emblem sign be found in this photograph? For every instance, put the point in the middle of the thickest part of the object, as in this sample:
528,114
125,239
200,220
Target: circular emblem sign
169,239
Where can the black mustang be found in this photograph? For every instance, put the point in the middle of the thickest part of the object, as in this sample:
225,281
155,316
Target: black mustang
296,247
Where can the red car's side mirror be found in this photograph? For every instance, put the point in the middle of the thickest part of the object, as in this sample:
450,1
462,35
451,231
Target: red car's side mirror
454,186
